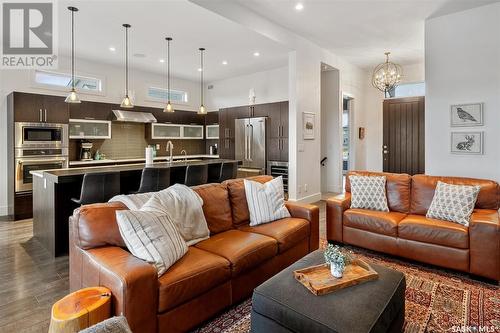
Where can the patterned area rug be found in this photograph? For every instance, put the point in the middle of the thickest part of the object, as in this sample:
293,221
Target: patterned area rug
436,301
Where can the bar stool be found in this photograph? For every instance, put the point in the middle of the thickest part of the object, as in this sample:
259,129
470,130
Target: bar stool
229,170
98,187
214,171
154,180
196,174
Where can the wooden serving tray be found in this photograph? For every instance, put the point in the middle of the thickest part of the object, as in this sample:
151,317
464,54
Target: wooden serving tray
320,281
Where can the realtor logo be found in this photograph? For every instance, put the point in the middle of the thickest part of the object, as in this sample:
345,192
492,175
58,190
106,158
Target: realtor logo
28,35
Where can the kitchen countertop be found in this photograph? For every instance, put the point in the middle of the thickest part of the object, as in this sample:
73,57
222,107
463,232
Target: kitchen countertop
63,175
132,160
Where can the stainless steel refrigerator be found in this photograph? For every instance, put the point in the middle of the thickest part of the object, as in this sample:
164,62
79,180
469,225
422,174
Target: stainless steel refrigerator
250,144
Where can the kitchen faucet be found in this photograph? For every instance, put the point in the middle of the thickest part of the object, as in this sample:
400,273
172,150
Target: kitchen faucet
170,146
183,152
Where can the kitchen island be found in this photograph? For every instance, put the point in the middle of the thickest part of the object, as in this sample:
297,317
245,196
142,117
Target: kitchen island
53,190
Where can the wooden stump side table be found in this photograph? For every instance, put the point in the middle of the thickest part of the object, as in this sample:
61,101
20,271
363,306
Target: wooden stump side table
80,309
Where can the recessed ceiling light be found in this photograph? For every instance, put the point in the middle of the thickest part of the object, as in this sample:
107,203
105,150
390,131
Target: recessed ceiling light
299,6
162,60
256,54
199,69
112,48
224,62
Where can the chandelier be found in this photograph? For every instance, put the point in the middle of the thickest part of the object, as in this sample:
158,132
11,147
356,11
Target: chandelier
387,75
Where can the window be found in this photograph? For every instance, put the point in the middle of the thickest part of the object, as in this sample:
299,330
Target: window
62,81
160,95
408,90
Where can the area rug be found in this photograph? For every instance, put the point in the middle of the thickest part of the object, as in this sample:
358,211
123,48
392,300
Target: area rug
437,300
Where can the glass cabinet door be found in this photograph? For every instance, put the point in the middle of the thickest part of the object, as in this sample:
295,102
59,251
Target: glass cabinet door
193,132
89,129
166,131
212,131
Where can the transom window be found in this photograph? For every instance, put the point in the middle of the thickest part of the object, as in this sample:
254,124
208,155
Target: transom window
408,90
161,95
63,81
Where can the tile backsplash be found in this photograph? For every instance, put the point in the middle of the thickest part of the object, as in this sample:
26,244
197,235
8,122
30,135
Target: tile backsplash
129,141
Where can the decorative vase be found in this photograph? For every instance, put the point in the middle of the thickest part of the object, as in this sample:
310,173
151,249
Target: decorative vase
336,270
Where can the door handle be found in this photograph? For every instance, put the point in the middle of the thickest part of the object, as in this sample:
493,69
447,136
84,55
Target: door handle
40,115
246,142
280,131
45,115
386,152
250,139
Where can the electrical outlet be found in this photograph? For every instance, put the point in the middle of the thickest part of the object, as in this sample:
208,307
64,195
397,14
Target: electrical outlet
305,187
158,147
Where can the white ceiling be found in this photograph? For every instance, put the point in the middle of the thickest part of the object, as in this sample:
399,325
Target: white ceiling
99,26
361,30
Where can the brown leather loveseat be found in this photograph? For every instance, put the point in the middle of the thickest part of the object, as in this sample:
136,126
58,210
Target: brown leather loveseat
406,232
214,273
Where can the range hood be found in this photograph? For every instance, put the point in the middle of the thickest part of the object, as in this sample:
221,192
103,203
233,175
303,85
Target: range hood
134,116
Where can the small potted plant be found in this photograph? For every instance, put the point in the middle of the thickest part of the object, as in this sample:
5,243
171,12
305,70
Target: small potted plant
336,259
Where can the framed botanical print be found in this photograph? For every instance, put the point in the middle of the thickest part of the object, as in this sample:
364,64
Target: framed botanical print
467,143
308,125
465,115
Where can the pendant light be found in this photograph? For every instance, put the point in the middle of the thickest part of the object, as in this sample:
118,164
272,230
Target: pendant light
72,97
387,76
202,107
127,101
168,107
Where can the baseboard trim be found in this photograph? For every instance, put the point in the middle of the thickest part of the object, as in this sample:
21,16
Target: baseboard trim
4,210
308,199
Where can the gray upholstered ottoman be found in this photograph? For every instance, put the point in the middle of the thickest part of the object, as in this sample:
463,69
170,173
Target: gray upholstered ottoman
282,304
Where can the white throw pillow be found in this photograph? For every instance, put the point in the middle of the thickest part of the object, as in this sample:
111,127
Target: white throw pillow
454,203
368,192
266,202
151,237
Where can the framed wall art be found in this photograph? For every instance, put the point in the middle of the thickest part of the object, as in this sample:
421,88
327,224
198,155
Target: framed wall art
308,125
465,115
467,143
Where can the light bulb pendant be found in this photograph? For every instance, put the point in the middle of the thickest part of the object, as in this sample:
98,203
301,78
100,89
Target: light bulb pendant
168,107
202,110
72,97
127,103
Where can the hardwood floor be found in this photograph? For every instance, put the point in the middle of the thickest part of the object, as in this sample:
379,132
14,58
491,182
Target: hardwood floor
31,280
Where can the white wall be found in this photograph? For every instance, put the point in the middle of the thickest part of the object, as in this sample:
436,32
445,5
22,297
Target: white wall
331,129
463,66
270,86
20,80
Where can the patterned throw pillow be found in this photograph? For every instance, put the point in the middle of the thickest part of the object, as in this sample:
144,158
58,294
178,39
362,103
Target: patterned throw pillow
453,203
151,237
368,192
266,202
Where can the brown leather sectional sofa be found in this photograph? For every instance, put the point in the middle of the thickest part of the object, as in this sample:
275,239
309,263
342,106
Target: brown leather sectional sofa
406,232
214,273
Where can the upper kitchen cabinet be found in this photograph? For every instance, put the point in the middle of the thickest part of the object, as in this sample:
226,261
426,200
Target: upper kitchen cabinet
192,132
40,108
212,118
212,131
165,131
91,110
89,129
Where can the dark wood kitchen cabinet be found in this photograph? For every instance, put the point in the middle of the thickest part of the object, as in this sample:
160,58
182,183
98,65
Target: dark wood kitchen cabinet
40,108
278,132
92,110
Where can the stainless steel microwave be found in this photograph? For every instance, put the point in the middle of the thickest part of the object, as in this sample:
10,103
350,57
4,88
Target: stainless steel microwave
41,135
